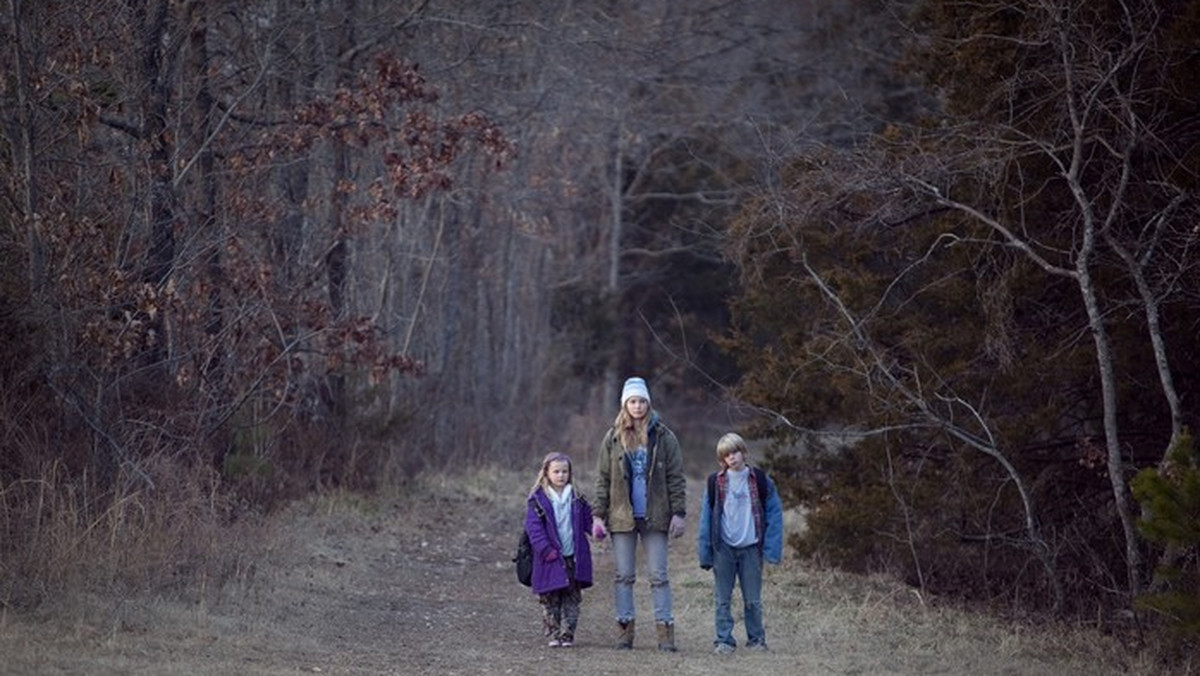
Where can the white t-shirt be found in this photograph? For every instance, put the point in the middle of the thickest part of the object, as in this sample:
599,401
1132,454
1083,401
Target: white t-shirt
737,516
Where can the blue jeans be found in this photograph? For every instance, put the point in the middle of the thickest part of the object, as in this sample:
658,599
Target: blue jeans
745,565
624,547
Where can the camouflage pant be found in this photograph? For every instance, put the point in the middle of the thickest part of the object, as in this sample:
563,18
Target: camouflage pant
560,608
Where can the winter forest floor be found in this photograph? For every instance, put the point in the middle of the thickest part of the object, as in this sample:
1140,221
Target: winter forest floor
420,582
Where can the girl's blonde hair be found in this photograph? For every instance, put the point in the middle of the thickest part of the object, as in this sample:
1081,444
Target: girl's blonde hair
729,444
631,432
543,477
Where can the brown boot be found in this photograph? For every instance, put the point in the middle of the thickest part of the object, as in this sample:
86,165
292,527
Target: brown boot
625,635
666,636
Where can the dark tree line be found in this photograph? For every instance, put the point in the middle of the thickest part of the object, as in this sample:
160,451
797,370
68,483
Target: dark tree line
237,230
258,249
991,312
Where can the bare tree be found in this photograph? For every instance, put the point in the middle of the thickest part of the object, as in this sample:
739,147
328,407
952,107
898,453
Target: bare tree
1097,153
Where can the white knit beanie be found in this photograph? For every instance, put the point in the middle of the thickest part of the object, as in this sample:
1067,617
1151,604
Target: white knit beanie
634,387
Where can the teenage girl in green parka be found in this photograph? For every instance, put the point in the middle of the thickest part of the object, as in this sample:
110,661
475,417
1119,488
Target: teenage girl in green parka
640,494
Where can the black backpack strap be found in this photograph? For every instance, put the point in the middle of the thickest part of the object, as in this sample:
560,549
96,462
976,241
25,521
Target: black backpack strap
760,477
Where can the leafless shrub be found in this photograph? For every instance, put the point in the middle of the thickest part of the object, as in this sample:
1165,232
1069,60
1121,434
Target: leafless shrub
65,536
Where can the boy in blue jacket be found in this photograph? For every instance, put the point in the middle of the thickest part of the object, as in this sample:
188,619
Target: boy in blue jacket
741,524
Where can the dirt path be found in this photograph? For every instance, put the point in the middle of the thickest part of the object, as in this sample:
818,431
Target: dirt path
422,584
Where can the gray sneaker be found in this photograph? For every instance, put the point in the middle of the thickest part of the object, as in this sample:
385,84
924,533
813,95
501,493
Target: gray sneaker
758,647
724,649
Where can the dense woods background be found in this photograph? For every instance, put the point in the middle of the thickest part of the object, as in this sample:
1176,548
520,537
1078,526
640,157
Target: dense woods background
936,256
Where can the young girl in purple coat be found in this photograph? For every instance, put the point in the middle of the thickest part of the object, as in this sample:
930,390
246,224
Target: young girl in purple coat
558,520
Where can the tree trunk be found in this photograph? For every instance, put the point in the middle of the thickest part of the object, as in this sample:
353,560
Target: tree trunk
160,258
335,276
1108,388
26,133
616,214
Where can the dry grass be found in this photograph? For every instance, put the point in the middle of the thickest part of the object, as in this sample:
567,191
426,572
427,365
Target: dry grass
354,584
854,624
67,538
886,627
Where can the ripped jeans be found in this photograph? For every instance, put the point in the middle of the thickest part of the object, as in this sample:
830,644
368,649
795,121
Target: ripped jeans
624,546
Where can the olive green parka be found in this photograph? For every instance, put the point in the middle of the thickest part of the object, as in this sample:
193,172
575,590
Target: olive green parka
666,486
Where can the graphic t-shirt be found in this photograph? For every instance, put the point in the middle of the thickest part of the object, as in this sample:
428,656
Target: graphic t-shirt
737,516
637,461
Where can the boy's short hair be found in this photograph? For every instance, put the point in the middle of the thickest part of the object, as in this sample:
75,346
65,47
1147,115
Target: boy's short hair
729,444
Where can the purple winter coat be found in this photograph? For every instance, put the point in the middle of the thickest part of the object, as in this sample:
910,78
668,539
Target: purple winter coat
550,576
